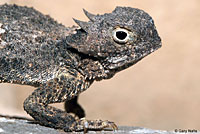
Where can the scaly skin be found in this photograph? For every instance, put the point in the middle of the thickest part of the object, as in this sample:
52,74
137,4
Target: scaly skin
61,62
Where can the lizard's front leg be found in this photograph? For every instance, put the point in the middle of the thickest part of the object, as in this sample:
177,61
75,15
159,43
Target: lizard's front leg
67,85
72,106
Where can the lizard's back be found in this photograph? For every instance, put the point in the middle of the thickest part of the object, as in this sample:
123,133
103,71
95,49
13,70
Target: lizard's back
30,49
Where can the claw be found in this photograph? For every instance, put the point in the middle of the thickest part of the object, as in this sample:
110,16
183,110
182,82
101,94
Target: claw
111,125
89,15
114,127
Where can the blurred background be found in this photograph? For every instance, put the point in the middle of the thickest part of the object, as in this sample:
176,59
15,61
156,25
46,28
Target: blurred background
160,92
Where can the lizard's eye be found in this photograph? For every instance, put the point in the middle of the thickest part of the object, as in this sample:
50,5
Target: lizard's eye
120,35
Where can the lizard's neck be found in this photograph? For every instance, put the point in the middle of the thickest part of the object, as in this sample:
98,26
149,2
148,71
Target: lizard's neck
93,70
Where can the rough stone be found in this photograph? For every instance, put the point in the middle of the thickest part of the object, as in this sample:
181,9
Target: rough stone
16,125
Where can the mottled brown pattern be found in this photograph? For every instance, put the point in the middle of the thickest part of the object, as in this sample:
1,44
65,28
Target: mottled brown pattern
63,62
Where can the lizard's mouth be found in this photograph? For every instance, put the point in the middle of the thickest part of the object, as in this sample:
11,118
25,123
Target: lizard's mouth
121,62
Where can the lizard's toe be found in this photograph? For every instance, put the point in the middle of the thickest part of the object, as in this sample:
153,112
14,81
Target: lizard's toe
109,124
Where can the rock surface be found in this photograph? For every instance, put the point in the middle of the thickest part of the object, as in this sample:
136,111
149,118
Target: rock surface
16,125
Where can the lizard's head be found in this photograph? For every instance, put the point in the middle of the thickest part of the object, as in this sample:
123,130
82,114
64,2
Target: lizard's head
119,39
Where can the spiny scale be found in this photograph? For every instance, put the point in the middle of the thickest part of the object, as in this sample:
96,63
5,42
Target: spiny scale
85,25
82,24
90,16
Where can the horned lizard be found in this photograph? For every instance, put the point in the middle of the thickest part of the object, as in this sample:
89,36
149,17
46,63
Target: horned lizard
61,62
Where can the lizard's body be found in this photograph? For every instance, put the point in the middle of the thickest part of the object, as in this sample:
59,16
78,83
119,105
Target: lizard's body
62,62
35,51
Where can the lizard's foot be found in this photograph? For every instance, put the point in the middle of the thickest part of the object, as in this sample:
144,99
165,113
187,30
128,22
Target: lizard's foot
86,125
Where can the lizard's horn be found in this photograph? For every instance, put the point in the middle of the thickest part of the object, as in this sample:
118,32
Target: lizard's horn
89,15
82,24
